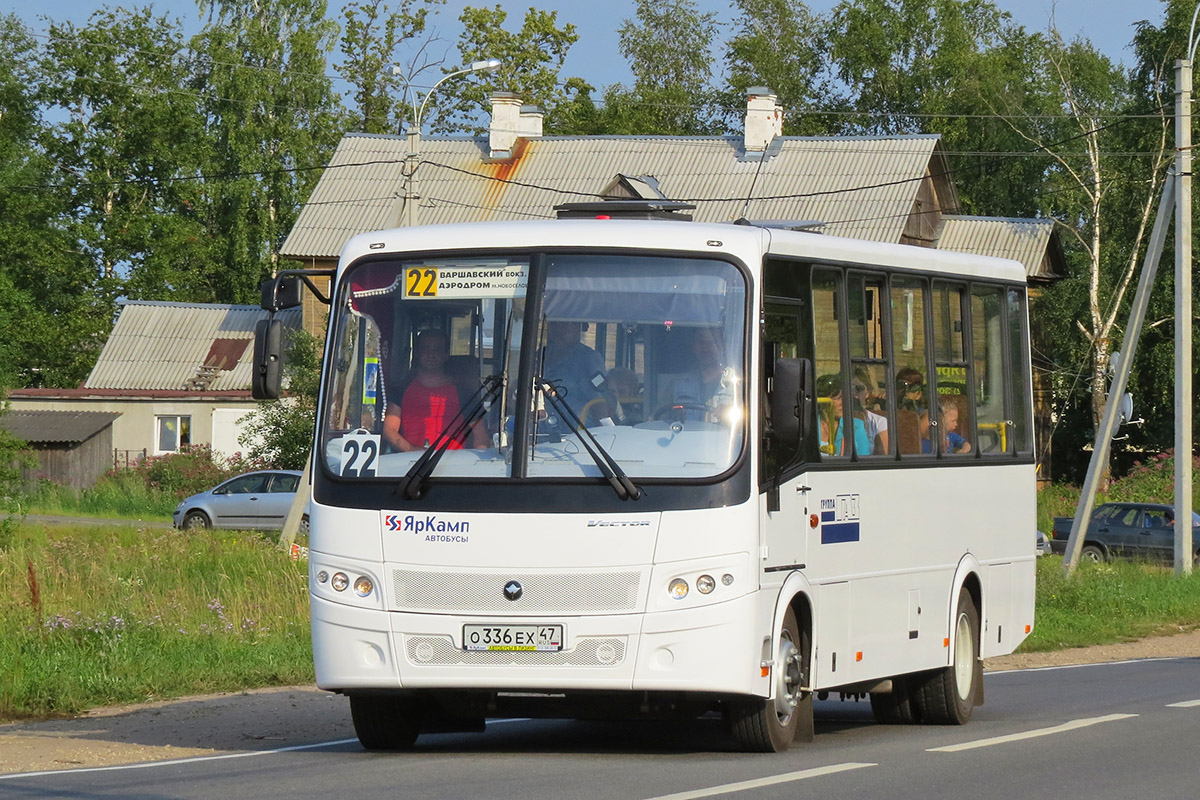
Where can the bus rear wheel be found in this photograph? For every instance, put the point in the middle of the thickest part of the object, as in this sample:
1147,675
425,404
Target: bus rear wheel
947,696
771,725
897,707
385,723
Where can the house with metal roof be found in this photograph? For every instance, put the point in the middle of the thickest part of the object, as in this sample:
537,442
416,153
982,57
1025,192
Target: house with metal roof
884,188
173,374
887,188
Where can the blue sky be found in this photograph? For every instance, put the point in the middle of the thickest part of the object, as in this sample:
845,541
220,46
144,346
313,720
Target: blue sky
1109,25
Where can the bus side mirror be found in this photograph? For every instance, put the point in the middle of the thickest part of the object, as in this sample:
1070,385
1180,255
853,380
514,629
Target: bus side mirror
280,292
791,399
267,377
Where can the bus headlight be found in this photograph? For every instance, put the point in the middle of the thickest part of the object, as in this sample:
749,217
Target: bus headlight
678,589
339,582
705,584
363,586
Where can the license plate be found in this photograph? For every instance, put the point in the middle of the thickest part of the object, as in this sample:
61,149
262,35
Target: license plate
512,637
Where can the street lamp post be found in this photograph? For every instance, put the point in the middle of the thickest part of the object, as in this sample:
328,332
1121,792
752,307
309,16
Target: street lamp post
413,134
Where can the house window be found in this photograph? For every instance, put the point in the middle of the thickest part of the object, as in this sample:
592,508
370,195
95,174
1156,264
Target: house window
174,433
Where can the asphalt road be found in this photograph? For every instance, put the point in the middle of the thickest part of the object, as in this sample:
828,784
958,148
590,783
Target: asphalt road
1090,732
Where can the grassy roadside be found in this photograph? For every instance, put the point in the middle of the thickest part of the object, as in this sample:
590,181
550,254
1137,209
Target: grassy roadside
104,615
99,615
1114,602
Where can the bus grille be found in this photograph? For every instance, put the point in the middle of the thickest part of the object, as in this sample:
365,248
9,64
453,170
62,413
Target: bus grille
473,593
588,652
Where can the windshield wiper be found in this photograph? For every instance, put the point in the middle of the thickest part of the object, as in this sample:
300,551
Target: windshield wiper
459,425
622,485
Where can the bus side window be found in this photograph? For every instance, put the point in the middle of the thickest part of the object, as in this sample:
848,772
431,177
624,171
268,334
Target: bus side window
910,393
827,361
987,355
952,380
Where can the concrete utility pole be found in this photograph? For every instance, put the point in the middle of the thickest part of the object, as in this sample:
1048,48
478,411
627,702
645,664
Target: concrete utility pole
1183,309
1112,406
412,159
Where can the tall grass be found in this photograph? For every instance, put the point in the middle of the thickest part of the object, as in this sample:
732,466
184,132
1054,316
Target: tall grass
101,615
1111,602
150,488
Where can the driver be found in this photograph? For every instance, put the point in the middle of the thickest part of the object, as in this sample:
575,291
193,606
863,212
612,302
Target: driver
710,383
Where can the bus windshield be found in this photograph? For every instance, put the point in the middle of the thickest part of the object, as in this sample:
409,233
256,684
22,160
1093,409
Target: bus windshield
639,357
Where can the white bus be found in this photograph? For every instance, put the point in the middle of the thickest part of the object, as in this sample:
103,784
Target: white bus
634,495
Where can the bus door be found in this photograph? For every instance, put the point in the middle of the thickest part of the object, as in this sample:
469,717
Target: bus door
786,495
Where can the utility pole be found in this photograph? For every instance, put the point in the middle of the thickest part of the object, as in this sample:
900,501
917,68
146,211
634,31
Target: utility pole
412,159
1108,422
1183,311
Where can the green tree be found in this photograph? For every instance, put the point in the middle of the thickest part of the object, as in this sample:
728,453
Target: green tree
669,49
372,35
282,430
273,120
54,306
531,60
782,45
131,150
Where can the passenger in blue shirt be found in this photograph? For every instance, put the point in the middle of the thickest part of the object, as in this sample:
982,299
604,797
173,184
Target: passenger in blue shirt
831,386
952,441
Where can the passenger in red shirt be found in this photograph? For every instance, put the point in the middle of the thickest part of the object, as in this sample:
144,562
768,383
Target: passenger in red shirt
429,402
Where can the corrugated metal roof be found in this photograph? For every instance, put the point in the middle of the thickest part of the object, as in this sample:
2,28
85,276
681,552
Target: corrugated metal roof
860,187
1025,240
157,345
56,426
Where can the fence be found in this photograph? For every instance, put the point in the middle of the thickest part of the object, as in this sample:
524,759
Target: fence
124,459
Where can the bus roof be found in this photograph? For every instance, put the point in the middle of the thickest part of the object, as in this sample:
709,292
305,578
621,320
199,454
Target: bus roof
746,242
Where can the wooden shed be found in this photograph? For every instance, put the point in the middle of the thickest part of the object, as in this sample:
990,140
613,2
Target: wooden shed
73,448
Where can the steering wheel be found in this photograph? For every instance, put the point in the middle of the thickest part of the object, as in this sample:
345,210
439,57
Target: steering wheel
661,411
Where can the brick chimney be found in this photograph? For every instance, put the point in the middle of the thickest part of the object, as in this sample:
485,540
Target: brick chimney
764,118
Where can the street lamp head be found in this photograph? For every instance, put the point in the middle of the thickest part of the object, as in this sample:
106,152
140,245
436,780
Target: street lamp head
488,65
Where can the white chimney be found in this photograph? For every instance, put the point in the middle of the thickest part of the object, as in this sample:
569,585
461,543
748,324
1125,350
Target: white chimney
511,122
530,125
506,120
764,118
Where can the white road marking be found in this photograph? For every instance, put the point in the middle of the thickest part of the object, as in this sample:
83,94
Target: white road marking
786,777
1184,704
172,762
1016,737
1080,666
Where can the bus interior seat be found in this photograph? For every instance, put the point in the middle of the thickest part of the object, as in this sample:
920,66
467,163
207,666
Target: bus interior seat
908,431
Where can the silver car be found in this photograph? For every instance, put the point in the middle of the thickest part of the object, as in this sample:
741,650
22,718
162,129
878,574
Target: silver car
255,500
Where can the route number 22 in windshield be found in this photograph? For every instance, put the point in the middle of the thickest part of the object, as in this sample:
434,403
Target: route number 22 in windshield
360,451
421,282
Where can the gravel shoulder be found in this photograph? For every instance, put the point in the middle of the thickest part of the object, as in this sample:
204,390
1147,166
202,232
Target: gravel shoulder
268,719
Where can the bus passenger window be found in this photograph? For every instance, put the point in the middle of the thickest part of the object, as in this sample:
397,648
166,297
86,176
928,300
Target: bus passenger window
987,355
910,397
952,380
827,362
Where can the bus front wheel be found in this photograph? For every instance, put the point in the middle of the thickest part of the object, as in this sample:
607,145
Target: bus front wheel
385,723
771,725
947,696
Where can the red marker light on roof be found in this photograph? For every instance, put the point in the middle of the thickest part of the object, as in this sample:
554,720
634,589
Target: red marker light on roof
603,216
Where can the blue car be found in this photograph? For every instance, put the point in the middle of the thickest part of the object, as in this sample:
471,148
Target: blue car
1132,530
252,501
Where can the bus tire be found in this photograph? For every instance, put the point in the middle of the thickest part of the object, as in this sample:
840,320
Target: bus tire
770,725
897,707
385,723
947,696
